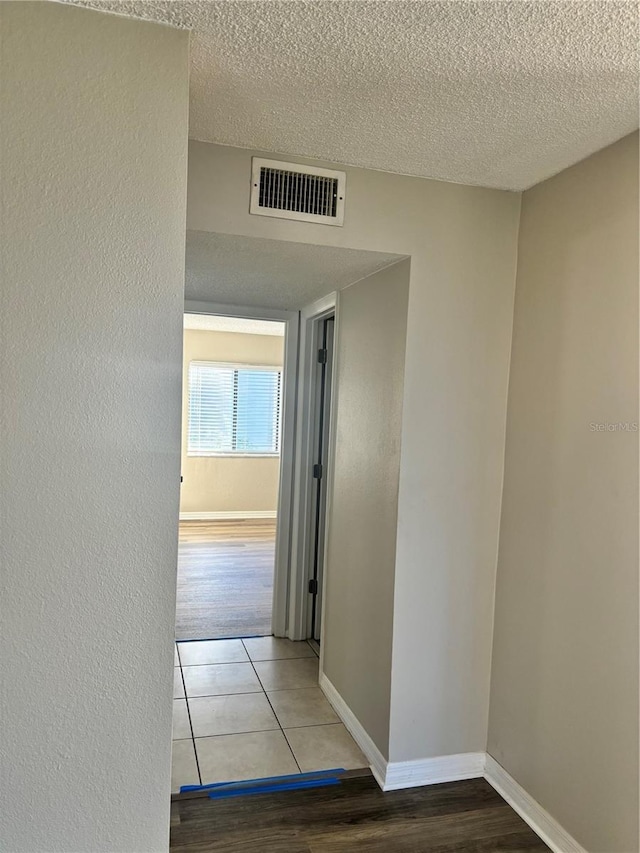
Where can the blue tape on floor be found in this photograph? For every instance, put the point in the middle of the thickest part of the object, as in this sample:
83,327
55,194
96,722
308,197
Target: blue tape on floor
214,639
265,781
221,793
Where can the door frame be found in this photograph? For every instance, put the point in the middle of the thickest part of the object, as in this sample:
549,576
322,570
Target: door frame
282,567
301,534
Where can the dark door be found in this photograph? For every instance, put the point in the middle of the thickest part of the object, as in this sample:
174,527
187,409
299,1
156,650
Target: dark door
321,443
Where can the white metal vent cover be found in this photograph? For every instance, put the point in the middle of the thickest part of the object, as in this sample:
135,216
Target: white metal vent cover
292,191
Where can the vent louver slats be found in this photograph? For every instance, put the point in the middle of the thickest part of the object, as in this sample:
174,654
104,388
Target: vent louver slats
290,191
285,190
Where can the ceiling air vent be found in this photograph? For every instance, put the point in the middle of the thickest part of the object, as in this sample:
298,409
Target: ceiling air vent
291,191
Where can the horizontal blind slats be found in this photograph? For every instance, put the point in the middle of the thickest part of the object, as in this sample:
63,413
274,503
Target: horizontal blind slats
233,409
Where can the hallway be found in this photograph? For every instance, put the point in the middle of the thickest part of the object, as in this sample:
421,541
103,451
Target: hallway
249,709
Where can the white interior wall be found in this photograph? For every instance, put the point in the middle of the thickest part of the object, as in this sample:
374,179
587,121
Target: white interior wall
94,143
564,691
362,502
462,243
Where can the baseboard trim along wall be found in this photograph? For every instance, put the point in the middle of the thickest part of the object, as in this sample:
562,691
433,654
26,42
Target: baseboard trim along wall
394,775
227,516
355,728
431,771
540,821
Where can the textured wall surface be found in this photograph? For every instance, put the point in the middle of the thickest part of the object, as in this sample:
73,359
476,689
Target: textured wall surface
362,510
564,690
225,483
94,134
462,243
499,94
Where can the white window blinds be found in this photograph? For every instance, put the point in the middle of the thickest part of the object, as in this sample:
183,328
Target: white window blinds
233,409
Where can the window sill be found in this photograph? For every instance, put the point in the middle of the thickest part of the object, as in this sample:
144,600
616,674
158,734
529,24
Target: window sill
233,455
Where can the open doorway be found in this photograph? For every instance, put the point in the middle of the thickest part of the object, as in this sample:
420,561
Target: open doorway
247,706
231,454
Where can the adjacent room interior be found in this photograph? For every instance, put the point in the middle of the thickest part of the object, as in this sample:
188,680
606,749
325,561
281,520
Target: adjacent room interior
231,432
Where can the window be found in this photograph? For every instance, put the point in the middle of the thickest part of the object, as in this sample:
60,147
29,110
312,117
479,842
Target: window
233,410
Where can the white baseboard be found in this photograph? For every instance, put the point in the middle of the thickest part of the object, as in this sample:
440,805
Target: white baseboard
223,516
377,761
540,821
394,775
431,771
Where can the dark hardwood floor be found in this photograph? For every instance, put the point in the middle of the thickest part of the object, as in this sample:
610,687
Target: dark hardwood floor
355,817
225,579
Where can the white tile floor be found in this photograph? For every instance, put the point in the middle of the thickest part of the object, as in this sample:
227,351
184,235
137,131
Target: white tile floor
247,709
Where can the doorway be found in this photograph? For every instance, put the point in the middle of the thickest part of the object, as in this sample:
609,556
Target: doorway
321,427
232,411
246,706
313,468
251,707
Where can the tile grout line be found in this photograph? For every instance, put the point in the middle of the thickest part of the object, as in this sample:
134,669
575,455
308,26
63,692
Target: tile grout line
291,748
259,731
317,654
262,690
273,711
250,660
247,692
186,701
215,695
261,660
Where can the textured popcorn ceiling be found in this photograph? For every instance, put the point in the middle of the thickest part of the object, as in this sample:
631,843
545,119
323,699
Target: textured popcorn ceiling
235,270
501,94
